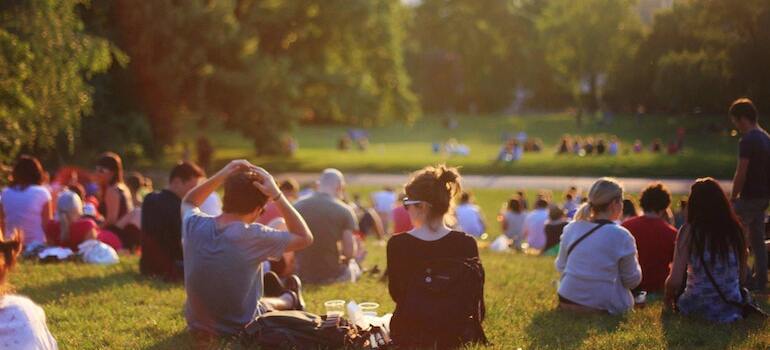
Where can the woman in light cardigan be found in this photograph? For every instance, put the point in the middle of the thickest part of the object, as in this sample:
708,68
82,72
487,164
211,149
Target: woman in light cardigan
599,273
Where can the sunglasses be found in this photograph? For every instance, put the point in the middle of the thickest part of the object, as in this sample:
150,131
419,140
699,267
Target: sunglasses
407,202
102,170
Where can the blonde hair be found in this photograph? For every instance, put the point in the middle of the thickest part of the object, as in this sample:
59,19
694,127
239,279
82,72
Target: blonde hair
69,207
602,193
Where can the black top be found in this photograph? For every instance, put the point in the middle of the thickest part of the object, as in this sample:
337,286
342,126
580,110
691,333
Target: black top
162,227
553,233
406,253
755,146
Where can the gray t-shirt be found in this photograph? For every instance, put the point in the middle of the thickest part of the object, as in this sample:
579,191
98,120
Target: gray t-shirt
327,218
223,271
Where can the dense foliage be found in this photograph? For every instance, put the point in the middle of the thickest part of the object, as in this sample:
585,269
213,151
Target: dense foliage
132,75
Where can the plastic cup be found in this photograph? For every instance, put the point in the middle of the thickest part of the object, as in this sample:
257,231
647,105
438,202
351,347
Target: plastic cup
369,308
335,307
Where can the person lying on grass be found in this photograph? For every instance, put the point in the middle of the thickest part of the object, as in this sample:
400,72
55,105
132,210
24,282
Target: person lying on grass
223,255
597,257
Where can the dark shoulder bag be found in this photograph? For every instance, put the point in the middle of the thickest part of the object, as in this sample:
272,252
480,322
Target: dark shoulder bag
747,304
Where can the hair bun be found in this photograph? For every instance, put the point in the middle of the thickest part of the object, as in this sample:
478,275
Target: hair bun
447,175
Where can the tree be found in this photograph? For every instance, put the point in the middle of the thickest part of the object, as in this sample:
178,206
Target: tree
46,58
583,43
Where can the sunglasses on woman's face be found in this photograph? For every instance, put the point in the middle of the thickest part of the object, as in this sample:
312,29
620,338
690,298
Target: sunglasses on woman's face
408,202
102,170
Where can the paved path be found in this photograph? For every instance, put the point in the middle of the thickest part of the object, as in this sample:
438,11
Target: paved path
513,182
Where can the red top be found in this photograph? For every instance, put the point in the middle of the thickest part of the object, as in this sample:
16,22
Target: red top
655,242
401,221
78,231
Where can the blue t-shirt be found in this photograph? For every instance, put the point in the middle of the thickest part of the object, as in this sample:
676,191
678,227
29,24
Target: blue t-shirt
223,270
755,146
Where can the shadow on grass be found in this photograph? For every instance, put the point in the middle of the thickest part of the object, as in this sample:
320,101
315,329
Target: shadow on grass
558,329
685,332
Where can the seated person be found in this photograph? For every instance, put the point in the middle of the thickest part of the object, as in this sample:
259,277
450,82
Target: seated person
597,257
554,227
710,219
332,222
429,196
654,237
223,255
22,322
469,218
73,228
162,224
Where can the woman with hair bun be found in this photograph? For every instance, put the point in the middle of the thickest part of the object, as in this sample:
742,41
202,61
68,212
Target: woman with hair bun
429,197
597,257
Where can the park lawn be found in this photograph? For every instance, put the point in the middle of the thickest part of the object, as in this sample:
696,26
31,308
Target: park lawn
95,307
398,148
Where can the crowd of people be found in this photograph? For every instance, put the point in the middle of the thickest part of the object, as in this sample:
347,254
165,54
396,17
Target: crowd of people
249,252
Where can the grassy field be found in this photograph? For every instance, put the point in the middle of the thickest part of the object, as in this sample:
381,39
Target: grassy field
93,307
400,148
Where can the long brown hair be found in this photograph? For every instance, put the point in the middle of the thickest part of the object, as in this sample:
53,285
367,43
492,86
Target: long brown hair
714,225
10,249
112,161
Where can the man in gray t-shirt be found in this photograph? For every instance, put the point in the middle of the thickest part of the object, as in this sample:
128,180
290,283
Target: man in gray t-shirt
223,255
332,222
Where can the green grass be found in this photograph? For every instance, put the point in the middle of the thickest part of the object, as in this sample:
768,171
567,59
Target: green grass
94,307
401,148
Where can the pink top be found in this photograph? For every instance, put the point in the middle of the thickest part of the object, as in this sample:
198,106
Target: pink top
401,221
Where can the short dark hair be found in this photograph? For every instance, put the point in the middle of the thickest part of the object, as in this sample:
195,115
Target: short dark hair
27,172
288,185
134,181
465,197
655,198
743,108
514,205
541,203
185,171
241,196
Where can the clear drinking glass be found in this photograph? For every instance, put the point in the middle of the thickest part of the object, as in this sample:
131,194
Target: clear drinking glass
335,307
369,308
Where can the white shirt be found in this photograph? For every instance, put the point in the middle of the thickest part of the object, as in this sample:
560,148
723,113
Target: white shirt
534,226
23,210
469,219
212,205
384,201
22,325
599,272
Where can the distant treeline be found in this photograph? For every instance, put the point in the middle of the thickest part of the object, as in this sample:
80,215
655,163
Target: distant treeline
78,76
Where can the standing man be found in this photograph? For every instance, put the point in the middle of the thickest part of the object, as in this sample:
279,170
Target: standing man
751,184
162,224
332,222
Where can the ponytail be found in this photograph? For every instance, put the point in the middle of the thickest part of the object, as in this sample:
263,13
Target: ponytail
583,212
602,193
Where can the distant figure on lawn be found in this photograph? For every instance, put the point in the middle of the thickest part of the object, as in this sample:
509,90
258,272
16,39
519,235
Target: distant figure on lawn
629,210
534,225
751,188
71,227
469,218
711,246
26,204
401,221
419,320
22,322
332,222
597,257
115,201
654,237
162,224
554,228
223,255
513,221
384,201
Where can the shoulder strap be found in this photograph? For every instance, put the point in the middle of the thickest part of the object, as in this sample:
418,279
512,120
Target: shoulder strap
714,283
572,247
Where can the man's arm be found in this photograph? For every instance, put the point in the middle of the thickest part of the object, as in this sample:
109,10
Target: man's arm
740,178
198,195
301,235
348,245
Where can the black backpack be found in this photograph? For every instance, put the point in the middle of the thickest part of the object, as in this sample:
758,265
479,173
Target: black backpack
443,306
299,330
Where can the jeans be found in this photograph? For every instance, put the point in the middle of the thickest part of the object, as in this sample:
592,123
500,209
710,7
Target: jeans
752,213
